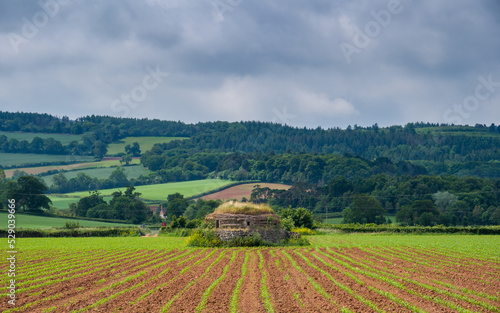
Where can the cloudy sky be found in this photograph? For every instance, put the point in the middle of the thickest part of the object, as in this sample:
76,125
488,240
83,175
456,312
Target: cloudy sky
328,63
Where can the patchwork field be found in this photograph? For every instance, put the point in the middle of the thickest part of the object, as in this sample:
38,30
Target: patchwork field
40,222
20,159
145,143
62,203
240,191
102,173
107,162
355,273
159,192
63,138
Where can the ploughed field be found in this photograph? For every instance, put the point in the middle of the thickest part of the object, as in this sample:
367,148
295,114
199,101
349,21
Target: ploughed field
238,192
350,273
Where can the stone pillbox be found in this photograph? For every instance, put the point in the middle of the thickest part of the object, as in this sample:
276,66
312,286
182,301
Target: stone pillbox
230,224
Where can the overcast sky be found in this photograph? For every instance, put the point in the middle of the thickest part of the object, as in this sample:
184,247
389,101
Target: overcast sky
327,63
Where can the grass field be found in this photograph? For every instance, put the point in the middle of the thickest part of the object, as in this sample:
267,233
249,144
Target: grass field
62,203
63,138
337,273
20,159
146,143
102,173
160,192
39,222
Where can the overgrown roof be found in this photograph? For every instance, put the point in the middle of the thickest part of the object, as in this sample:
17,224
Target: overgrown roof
233,207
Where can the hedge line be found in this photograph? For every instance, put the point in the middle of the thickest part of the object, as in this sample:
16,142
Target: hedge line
79,232
372,228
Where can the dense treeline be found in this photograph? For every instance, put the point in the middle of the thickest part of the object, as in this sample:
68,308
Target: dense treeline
37,145
123,206
396,142
284,168
421,200
108,128
84,182
435,144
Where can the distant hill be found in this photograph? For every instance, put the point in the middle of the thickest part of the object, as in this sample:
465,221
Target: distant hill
437,148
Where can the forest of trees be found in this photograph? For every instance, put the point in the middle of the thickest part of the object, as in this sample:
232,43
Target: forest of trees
423,200
397,143
123,206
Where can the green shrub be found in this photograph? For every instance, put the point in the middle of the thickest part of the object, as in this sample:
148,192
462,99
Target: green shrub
304,231
176,232
287,223
71,225
193,223
295,242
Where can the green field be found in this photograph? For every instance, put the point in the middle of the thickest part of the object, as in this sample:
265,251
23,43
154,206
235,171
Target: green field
159,192
336,273
20,159
474,246
63,138
39,222
101,173
69,167
62,203
146,143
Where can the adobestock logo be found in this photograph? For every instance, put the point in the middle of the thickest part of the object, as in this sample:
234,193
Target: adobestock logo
221,7
139,93
361,38
471,103
31,27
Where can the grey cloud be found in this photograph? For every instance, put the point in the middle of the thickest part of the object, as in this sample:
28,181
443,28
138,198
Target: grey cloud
263,56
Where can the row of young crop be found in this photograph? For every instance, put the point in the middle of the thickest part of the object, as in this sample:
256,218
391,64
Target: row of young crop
50,270
138,280
95,265
413,285
136,276
136,272
88,265
424,291
440,263
366,277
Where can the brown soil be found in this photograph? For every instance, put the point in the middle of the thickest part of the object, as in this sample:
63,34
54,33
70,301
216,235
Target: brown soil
220,299
240,191
459,277
250,288
290,289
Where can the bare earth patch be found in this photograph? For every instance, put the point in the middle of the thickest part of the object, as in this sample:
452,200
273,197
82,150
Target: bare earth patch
240,191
